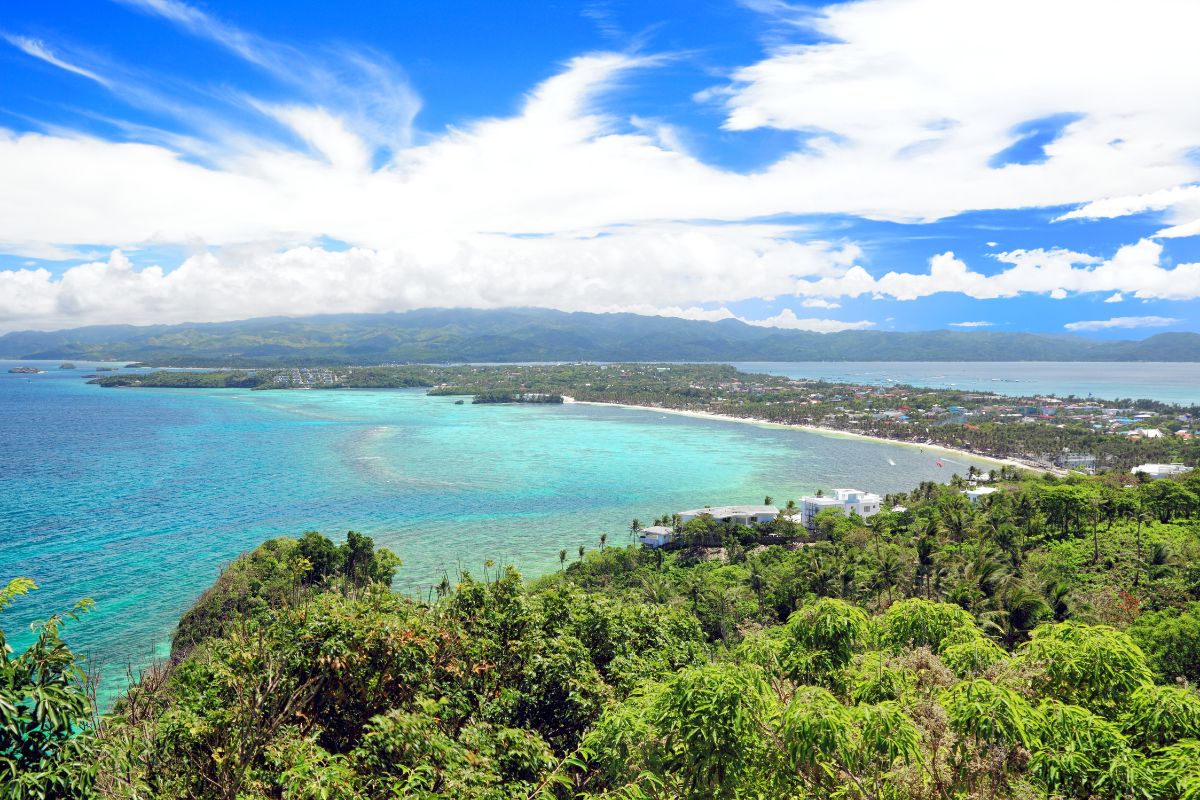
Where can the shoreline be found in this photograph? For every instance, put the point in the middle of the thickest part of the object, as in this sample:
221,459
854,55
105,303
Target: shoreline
1011,462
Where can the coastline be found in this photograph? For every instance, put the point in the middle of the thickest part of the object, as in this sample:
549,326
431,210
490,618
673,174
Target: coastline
1011,462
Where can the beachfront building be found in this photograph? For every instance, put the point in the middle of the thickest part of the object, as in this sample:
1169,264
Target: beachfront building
847,501
656,536
1160,470
982,491
1083,461
738,515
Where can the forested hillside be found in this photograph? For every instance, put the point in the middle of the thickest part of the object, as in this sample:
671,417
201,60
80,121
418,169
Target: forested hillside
471,335
1044,642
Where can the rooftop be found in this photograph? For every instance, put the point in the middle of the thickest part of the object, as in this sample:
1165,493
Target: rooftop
732,511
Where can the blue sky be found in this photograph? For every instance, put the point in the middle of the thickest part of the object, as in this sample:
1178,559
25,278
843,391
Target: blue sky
882,164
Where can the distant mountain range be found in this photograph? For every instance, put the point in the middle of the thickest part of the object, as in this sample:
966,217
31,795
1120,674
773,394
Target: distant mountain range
530,334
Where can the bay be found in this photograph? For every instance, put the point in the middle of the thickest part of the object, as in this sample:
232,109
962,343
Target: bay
137,497
1167,382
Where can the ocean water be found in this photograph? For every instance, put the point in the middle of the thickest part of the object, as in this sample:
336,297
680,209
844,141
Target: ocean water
1167,382
137,497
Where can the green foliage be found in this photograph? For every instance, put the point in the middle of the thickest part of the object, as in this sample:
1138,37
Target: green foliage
44,702
712,720
971,658
824,637
984,712
920,623
1176,771
836,669
1094,666
1081,755
1171,641
1158,715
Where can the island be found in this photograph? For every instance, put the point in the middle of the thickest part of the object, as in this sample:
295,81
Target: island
25,370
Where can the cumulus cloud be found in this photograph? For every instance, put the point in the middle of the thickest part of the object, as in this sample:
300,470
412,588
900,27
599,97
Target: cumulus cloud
1134,269
643,269
788,319
1110,207
919,112
1181,202
1121,322
818,302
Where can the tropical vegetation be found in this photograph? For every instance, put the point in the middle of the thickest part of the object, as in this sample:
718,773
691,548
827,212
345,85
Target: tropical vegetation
1041,643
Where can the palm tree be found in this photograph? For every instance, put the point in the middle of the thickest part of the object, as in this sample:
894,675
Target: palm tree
603,540
635,527
957,522
1057,595
888,574
1022,608
562,560
1158,565
581,552
925,560
1142,517
768,500
1095,506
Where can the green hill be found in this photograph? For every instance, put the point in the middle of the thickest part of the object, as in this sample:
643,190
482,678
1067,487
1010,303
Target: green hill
457,335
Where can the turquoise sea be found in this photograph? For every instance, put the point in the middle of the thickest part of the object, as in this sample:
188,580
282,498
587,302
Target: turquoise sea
1168,382
137,497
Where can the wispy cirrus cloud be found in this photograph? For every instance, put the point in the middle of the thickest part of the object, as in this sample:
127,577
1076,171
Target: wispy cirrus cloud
364,84
972,324
40,50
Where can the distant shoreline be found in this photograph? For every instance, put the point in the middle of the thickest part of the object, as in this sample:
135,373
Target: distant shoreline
1012,462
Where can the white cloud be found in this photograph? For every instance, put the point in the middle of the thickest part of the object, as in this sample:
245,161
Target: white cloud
642,269
569,204
1115,298
1181,202
973,324
788,319
38,49
1135,269
1121,322
913,111
1110,207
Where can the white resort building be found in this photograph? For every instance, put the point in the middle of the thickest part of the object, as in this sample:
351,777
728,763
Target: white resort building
1160,470
739,515
848,501
656,536
983,491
